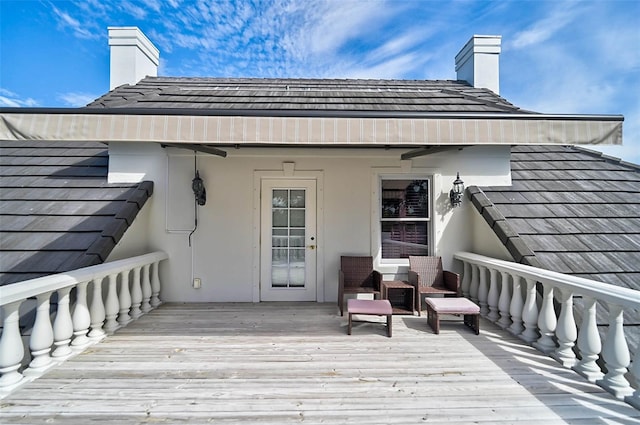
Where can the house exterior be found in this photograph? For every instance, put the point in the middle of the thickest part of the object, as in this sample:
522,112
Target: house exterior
250,190
299,172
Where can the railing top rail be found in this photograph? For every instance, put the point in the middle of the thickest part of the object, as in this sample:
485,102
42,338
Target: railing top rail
602,291
33,287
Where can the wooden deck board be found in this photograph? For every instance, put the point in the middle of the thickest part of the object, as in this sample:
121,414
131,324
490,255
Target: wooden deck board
287,363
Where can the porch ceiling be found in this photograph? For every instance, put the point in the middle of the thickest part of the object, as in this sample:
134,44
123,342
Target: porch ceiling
306,128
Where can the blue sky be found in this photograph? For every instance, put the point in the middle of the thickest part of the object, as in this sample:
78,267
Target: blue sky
574,57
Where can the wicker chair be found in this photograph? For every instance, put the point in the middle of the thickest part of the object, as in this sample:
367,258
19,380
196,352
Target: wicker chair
427,276
357,276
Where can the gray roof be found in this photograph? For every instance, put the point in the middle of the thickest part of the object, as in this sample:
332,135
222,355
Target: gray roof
305,94
57,211
569,210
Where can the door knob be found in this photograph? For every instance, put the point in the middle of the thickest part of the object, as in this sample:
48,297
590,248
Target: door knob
311,246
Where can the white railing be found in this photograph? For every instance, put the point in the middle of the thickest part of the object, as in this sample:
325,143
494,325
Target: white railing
77,322
508,295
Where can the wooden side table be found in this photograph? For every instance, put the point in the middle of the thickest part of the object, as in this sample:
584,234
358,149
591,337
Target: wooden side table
407,295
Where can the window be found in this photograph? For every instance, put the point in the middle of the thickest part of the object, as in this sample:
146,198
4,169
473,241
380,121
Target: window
404,217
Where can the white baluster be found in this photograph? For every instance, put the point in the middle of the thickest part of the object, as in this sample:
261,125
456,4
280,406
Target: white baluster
136,294
634,399
483,291
566,331
81,318
492,297
504,301
146,289
546,321
516,306
530,313
124,297
112,306
475,283
97,311
589,342
155,286
62,326
616,355
11,348
41,338
466,279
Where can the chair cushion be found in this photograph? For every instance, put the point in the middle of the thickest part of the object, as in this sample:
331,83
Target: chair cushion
452,305
379,307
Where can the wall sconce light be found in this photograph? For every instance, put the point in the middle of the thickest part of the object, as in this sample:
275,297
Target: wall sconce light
198,189
455,194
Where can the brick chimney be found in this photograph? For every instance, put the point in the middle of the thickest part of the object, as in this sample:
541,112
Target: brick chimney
478,62
133,56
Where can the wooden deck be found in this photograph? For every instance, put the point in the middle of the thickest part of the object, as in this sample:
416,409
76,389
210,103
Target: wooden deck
275,363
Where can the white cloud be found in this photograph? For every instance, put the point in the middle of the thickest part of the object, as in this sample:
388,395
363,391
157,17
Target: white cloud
557,19
5,92
134,10
397,45
153,5
76,99
12,100
67,21
331,24
393,68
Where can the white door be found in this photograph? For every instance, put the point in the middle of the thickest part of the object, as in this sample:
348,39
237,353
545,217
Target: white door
288,240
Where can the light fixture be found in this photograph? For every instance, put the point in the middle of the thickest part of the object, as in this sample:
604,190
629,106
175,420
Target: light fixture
198,189
455,194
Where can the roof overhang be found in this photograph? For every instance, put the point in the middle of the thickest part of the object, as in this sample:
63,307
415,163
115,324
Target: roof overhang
306,128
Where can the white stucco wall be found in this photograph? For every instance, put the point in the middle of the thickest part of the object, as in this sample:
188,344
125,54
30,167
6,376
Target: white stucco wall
485,241
222,251
134,241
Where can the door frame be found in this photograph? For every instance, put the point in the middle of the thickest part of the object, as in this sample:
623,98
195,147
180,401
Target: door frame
308,292
288,172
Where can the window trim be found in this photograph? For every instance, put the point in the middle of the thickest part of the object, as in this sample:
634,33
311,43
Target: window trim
395,266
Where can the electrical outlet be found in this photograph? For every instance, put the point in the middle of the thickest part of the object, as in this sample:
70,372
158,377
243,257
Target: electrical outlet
197,283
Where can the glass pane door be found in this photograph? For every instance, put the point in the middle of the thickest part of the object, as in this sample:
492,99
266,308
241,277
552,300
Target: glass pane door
288,255
288,212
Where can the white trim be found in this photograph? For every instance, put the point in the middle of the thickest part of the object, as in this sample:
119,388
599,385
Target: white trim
125,177
377,174
318,176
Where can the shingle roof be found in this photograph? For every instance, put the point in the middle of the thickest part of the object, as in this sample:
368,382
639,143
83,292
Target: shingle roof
305,94
569,210
57,211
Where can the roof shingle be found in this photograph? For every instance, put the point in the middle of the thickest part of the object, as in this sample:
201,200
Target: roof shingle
57,211
577,210
304,94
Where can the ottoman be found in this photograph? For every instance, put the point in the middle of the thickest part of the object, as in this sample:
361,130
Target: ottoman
463,306
371,307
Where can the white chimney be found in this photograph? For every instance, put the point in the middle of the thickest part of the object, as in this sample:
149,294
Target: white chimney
477,62
133,56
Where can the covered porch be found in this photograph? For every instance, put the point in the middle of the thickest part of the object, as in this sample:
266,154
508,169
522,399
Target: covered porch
276,363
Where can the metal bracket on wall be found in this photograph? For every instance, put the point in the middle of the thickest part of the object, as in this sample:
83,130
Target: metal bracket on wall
197,147
428,150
